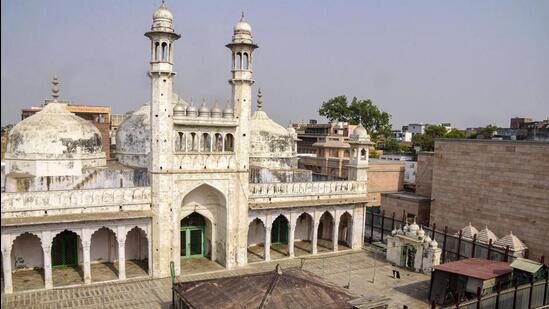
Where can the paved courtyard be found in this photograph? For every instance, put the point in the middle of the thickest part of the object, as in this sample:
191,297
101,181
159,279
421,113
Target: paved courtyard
347,268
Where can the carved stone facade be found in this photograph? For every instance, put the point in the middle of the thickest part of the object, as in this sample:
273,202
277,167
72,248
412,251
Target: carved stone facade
198,163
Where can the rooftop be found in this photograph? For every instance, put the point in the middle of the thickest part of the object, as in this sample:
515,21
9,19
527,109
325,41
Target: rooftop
476,268
288,288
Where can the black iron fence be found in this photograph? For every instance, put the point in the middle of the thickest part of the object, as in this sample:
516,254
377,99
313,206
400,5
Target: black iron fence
454,247
531,295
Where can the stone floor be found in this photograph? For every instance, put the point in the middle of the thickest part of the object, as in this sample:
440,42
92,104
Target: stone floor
280,251
365,273
67,276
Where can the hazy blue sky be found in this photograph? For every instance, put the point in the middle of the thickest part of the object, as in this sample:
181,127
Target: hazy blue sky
466,62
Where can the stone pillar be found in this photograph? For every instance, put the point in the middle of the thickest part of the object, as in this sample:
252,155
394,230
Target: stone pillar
121,253
335,234
267,243
86,248
315,237
291,241
48,277
149,250
6,263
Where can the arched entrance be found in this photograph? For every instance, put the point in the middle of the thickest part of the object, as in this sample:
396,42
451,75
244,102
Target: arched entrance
66,258
279,237
256,241
303,234
193,239
279,230
201,230
325,232
137,253
344,230
104,254
27,265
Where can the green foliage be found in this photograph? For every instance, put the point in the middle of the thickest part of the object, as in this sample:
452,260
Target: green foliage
485,133
374,154
374,120
455,133
393,146
427,140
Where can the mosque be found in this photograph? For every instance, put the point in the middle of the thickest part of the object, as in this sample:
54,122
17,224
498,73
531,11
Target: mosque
188,183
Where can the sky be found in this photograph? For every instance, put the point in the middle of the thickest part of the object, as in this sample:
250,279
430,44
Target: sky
470,63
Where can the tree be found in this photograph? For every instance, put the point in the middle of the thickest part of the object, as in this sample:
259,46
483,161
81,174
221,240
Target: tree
427,140
374,120
485,133
455,133
393,146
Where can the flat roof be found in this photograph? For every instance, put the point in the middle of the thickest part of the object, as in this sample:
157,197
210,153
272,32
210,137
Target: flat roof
488,141
82,217
407,196
476,268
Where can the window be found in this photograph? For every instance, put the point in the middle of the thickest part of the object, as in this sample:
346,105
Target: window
206,143
218,142
193,142
229,142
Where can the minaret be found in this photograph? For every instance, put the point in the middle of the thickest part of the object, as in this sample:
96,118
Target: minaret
242,47
358,161
162,37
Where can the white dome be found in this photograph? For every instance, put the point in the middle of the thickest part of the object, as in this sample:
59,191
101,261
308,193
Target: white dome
271,144
413,227
54,133
242,26
133,137
53,142
163,13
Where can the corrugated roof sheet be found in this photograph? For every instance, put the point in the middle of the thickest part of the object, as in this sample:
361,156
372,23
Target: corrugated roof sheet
526,265
476,268
294,288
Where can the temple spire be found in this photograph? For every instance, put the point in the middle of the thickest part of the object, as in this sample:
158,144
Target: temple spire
55,87
259,100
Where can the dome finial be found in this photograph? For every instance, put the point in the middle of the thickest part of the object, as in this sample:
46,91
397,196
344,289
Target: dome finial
242,16
55,87
259,100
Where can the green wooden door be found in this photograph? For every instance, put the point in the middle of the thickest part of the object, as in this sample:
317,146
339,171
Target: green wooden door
279,231
192,241
64,251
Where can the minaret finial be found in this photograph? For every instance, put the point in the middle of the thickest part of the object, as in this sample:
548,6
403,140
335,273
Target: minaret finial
55,87
242,16
259,100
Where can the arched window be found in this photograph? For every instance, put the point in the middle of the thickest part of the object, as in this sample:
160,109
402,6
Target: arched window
238,61
245,61
206,143
363,154
181,141
218,142
164,52
193,142
156,51
229,142
169,58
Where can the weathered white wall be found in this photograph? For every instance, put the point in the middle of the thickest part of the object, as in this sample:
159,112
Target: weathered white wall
303,229
136,245
256,233
27,252
104,247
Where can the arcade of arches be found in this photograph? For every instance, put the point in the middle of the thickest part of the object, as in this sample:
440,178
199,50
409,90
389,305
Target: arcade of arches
279,235
79,254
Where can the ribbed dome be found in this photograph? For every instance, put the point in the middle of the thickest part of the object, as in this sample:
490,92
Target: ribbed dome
54,133
133,137
272,146
163,12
